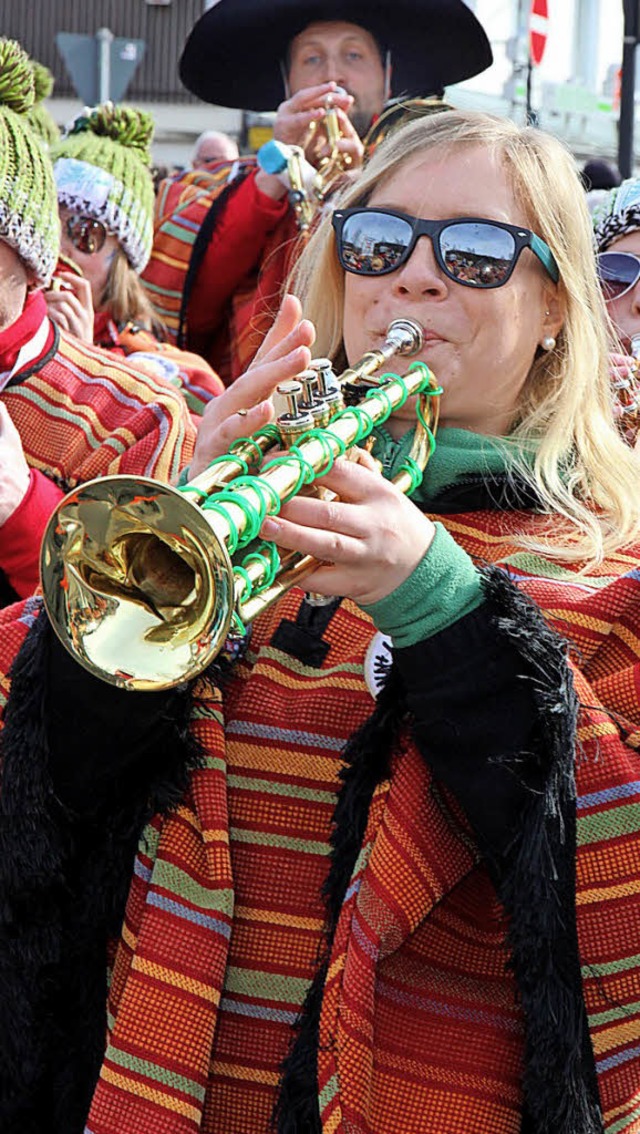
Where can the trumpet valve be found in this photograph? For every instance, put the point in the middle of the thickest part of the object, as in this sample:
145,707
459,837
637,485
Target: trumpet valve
309,382
327,381
297,419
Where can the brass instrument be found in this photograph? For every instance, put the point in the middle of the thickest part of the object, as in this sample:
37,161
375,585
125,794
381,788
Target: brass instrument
627,392
311,186
331,167
143,582
299,198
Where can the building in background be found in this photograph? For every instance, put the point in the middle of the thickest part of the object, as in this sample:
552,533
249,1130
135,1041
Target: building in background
162,24
574,90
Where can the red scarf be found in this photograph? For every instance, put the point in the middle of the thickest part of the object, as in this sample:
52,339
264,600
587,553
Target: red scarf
18,334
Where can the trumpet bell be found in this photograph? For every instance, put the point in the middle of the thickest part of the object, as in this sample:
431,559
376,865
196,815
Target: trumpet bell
133,592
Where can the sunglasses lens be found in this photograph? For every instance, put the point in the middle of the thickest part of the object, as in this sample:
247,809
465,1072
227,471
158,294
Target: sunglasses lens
618,272
373,243
86,234
477,253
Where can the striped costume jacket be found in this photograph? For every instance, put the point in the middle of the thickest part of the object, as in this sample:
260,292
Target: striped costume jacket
81,413
430,989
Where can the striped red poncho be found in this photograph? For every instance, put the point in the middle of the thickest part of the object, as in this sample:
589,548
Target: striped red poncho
422,1024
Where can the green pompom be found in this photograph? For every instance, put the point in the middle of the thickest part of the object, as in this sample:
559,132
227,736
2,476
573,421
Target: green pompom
125,125
42,80
17,88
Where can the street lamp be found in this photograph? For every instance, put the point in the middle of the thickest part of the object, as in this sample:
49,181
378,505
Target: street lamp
628,86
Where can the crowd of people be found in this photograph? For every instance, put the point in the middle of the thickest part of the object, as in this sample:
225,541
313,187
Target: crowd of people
376,869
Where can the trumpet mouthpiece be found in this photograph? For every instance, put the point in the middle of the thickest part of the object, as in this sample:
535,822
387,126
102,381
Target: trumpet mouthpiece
406,335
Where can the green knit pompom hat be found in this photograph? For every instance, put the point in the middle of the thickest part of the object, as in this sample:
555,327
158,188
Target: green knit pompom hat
28,207
101,167
38,117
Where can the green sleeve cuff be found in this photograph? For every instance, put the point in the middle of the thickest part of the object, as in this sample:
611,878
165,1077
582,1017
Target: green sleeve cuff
443,588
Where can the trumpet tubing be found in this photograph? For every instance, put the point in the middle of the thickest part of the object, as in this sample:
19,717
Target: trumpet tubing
627,394
330,168
143,582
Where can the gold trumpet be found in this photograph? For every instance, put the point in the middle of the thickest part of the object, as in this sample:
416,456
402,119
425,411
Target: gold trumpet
627,394
305,197
336,162
145,584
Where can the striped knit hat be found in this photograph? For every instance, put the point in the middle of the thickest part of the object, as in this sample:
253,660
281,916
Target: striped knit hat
28,210
101,167
617,214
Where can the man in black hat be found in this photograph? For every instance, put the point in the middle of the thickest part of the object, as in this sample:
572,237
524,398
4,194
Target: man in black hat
247,54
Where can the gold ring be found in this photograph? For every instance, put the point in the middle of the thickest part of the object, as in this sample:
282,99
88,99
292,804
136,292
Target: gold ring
242,412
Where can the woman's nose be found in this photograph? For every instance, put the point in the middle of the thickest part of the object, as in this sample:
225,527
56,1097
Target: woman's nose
421,275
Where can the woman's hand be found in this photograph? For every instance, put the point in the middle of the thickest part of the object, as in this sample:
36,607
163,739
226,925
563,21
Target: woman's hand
14,470
70,305
371,539
246,407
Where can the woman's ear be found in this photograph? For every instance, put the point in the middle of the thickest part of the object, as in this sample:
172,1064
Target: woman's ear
554,313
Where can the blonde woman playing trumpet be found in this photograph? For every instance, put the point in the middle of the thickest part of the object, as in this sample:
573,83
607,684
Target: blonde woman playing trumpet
389,874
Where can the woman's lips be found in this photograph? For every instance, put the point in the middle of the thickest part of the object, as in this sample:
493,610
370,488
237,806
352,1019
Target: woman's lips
427,337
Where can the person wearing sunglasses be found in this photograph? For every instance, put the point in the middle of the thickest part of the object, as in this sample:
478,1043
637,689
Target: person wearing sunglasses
616,223
106,200
68,412
391,881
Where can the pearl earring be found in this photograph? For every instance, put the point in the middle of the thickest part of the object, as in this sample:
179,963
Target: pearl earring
548,342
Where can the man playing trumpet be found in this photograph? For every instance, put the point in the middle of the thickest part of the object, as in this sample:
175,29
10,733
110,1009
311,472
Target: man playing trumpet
352,55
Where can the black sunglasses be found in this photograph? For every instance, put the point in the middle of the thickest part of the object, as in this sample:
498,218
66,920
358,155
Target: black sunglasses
86,234
470,250
618,272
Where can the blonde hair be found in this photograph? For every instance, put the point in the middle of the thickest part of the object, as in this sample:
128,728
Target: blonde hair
125,299
582,470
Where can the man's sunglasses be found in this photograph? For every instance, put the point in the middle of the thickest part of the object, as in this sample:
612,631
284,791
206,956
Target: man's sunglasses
86,234
618,273
470,250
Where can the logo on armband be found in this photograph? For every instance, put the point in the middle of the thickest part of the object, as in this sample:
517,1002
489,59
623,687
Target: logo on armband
377,662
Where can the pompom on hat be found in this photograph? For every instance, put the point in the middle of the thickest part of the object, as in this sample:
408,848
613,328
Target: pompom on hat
617,214
38,117
28,208
101,167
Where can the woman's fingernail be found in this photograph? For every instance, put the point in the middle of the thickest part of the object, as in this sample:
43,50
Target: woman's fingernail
270,528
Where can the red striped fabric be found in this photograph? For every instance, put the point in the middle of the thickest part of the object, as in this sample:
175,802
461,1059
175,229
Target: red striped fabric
87,413
420,1026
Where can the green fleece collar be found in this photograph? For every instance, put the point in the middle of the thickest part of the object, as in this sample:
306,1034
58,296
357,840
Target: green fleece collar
458,453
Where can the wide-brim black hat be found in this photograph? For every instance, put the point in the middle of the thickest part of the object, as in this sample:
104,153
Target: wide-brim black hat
234,53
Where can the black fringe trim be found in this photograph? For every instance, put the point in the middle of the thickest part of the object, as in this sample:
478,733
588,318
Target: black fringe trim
367,762
537,890
63,888
538,887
